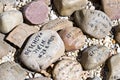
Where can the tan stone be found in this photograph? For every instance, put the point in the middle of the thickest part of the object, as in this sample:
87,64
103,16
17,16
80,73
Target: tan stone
20,34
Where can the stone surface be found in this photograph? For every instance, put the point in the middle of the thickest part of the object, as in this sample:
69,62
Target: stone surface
94,78
1,7
94,56
67,7
93,22
73,38
67,70
40,78
42,49
9,20
114,67
20,34
117,34
112,8
57,24
8,2
11,71
5,48
36,12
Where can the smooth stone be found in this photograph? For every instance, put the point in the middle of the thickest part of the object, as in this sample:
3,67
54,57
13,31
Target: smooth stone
1,7
94,56
40,78
93,22
112,8
9,20
42,49
114,67
36,12
20,34
5,48
8,2
73,38
11,71
57,24
67,7
117,34
67,70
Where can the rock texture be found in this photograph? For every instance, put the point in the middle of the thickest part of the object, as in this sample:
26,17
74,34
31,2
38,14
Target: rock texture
117,34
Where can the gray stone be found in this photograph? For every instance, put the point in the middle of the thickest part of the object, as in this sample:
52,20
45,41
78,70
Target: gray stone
94,78
67,70
42,49
93,22
11,71
8,2
94,56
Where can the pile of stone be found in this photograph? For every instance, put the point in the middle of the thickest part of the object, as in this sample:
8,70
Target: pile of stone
41,44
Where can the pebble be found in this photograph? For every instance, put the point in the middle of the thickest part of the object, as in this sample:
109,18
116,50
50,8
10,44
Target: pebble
114,67
67,70
73,38
112,8
94,56
42,49
57,24
5,48
36,12
8,2
117,34
93,22
9,20
67,7
94,78
20,34
11,71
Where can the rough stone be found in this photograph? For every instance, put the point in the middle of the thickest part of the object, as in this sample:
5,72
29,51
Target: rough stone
42,49
73,38
94,56
21,33
9,20
93,22
67,7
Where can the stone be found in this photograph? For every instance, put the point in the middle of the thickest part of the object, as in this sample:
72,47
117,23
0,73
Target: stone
93,22
67,70
57,24
94,78
36,12
11,71
1,7
20,34
73,38
117,34
9,20
112,8
8,2
67,7
94,56
5,48
40,78
114,67
42,49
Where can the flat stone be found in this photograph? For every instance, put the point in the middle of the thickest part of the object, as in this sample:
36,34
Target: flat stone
11,71
117,34
36,12
73,38
112,8
94,56
9,20
57,24
42,49
21,33
5,48
67,7
114,67
67,70
93,22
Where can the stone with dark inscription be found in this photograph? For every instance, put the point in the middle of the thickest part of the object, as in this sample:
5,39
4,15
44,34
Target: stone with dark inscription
114,67
12,71
94,56
117,34
73,38
67,70
93,22
112,8
67,7
57,24
42,49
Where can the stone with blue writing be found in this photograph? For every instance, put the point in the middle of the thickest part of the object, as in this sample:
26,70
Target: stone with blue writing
94,56
93,22
42,49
